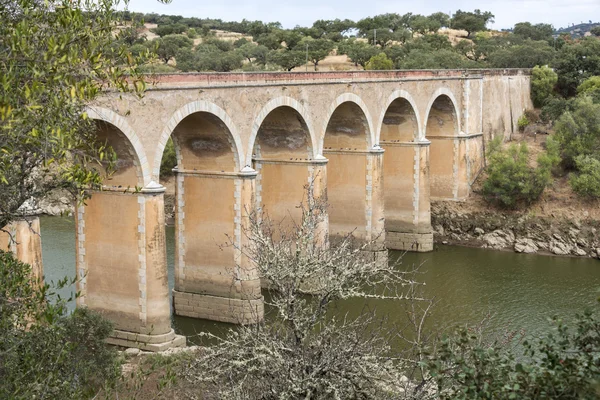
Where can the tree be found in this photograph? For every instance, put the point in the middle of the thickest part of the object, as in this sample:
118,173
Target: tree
433,59
534,32
586,182
472,21
525,55
379,62
170,29
287,59
576,62
358,52
318,49
306,350
168,46
543,81
595,31
442,18
578,131
590,86
424,25
56,57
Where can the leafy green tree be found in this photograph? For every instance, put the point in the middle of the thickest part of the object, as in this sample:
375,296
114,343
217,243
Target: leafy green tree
442,18
586,182
578,131
534,32
543,80
433,59
379,62
472,21
192,33
525,55
169,29
254,52
358,52
318,49
168,46
45,352
186,60
576,62
287,59
55,58
511,182
424,25
595,31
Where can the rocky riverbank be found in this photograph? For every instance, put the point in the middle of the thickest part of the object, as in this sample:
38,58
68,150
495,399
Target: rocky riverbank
519,232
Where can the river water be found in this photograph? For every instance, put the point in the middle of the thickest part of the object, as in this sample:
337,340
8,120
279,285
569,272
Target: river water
516,291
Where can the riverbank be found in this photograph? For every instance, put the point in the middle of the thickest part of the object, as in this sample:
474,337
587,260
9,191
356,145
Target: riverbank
460,224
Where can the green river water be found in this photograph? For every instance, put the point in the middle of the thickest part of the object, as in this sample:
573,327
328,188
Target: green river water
519,291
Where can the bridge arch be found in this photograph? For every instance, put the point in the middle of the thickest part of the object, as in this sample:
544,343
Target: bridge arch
446,96
115,124
401,103
282,102
442,129
198,107
354,101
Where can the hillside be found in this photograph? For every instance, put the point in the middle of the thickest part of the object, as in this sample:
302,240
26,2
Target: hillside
578,31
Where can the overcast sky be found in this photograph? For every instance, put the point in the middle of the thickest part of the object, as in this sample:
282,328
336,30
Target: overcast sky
560,13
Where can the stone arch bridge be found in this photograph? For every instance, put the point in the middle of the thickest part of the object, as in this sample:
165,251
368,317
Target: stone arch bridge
380,144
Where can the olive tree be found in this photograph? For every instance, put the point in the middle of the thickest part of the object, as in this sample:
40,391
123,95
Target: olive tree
56,57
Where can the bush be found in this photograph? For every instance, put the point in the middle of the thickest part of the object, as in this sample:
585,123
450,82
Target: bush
578,131
511,181
523,122
561,365
586,183
589,86
543,80
192,33
554,107
379,62
44,352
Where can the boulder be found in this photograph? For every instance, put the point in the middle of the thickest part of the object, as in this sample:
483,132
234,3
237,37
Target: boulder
579,252
525,245
499,239
479,232
559,248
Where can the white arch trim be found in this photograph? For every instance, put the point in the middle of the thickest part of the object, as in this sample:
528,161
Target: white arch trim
282,101
187,110
106,115
348,98
400,94
439,92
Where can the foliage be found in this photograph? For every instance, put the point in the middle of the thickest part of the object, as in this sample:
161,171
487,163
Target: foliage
543,80
168,46
169,159
511,182
554,107
306,350
55,58
471,21
379,62
534,32
433,59
45,352
171,29
523,122
578,131
528,54
575,62
358,52
590,86
287,59
318,49
595,31
586,182
563,364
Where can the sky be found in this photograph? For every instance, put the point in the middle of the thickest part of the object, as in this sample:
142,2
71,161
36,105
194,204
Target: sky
560,13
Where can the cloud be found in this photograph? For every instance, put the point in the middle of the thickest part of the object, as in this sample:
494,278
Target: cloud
560,13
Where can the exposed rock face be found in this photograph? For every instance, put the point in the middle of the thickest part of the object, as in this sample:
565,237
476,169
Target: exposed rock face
56,203
519,232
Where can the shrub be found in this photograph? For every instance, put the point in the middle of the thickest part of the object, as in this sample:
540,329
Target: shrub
379,62
523,122
192,33
554,108
586,183
578,131
543,80
561,365
589,86
511,181
44,351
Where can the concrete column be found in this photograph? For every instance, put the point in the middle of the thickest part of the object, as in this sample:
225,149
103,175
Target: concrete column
122,266
407,196
355,193
213,279
25,242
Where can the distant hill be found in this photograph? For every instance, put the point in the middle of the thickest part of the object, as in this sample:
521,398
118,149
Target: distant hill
577,31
